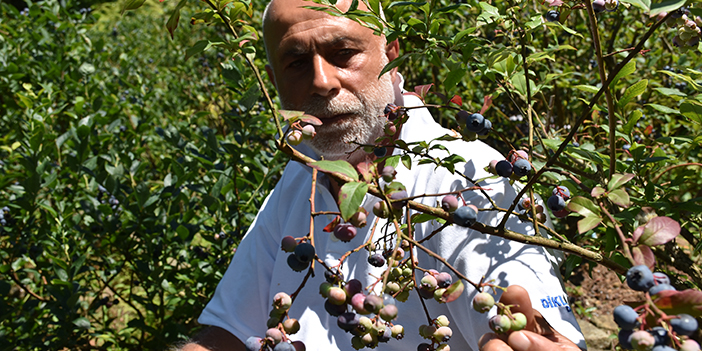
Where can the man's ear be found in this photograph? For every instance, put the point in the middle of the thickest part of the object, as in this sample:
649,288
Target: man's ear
271,76
392,51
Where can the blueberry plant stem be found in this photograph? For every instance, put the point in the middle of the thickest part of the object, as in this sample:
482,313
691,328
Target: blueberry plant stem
611,113
622,238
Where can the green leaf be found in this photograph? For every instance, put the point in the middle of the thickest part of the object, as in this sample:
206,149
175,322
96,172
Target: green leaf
619,197
489,13
666,6
589,222
669,91
587,88
407,161
394,63
628,69
82,322
172,23
338,166
131,5
637,89
692,110
634,117
197,48
583,206
597,191
642,4
618,180
183,232
664,109
350,198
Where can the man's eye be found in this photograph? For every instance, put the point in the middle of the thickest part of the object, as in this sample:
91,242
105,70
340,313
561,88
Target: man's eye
297,64
345,52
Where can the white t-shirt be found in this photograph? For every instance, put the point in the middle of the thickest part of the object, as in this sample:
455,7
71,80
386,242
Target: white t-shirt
259,268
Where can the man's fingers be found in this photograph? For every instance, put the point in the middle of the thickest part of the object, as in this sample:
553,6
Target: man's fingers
493,342
518,297
529,341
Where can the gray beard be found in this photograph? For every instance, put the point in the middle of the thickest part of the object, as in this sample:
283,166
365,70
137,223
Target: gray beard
339,140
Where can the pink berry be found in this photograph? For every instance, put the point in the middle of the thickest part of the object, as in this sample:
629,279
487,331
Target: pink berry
449,203
288,244
345,232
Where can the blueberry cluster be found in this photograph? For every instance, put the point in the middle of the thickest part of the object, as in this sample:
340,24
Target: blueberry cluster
557,201
434,284
276,338
111,200
675,330
516,167
688,31
465,216
437,333
4,216
473,125
370,317
503,321
524,208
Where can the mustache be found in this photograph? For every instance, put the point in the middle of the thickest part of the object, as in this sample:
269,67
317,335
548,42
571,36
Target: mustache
325,108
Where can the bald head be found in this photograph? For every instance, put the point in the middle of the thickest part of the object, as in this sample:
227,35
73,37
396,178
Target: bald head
287,12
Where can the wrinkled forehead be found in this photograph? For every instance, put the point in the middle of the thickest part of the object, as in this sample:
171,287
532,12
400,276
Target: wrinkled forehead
284,16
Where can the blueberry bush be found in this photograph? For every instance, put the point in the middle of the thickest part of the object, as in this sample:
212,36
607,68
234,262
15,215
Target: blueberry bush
137,148
127,176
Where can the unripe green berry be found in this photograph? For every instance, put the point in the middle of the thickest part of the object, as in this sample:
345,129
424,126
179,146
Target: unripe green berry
324,289
337,295
500,323
308,132
439,294
519,321
291,326
282,301
442,334
442,321
388,313
483,302
398,331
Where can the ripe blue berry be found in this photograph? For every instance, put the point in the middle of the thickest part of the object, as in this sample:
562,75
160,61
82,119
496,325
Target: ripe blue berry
521,167
487,127
660,287
504,168
556,203
284,346
475,123
639,278
253,343
626,317
662,348
376,260
561,191
304,252
348,321
443,280
399,195
295,263
623,337
685,324
661,278
552,16
334,310
660,334
465,216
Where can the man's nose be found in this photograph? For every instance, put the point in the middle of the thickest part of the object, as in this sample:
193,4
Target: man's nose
326,80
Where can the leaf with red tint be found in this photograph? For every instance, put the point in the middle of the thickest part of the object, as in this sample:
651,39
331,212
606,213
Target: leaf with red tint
554,2
453,292
675,302
422,90
172,23
658,231
643,255
291,115
311,120
330,227
487,102
457,100
648,130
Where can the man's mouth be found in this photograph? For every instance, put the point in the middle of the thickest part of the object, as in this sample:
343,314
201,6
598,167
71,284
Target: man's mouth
336,118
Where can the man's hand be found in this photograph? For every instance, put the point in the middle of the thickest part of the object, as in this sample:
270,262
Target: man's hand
538,334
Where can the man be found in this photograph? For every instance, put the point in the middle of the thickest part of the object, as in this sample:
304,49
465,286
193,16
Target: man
328,66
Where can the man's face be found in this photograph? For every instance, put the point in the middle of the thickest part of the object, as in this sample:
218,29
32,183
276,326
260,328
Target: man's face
328,67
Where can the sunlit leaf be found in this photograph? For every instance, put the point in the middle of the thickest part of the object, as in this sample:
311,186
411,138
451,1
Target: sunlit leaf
659,230
643,256
675,302
338,166
618,180
350,198
619,197
453,292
